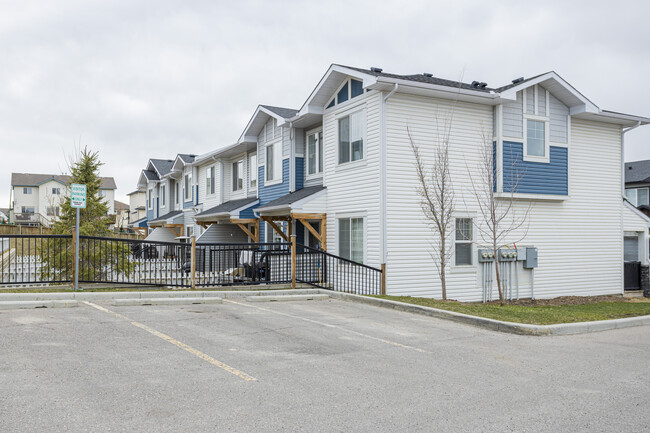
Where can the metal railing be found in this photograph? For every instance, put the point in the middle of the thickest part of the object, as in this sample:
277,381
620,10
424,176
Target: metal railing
35,259
42,259
322,269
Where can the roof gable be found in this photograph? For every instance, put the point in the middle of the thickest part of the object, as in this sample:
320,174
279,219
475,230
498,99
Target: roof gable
261,115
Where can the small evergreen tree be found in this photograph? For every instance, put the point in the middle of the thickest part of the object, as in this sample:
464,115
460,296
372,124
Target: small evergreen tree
99,260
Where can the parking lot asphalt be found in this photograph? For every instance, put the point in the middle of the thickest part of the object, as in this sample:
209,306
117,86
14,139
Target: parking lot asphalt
308,366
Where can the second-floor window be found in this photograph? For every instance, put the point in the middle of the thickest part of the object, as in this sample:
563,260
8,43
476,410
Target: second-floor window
162,195
351,133
273,164
150,199
56,191
315,153
238,175
188,187
252,170
176,193
101,193
27,190
637,196
209,180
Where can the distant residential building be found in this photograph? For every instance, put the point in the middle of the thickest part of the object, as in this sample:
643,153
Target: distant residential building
137,210
121,215
4,215
37,198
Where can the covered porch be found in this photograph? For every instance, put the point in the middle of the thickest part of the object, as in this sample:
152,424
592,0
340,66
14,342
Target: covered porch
301,213
139,226
172,221
219,221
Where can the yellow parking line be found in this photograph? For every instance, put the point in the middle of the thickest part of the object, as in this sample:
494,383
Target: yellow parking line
176,343
329,325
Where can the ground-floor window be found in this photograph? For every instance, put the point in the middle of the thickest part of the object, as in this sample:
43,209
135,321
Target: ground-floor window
631,249
351,239
464,238
272,235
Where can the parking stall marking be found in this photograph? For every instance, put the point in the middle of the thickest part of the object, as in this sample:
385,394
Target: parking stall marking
329,325
176,343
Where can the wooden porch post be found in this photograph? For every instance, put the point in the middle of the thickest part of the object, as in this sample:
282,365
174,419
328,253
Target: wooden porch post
193,262
293,261
383,278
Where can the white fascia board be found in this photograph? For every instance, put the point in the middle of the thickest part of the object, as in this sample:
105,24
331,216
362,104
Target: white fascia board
511,93
151,164
208,157
249,125
368,80
143,181
297,205
488,96
245,137
627,117
636,211
282,207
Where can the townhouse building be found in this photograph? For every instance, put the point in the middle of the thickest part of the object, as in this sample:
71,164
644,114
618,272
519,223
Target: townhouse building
339,173
37,198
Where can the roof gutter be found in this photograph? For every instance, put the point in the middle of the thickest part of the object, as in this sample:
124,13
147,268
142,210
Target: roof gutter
382,176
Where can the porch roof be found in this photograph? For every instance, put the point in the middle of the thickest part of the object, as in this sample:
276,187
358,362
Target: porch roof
168,218
293,200
227,209
142,222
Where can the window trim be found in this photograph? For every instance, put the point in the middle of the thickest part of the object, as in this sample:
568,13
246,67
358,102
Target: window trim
27,190
187,187
210,181
277,165
319,153
163,193
636,195
471,242
235,185
334,97
360,108
252,171
350,217
150,199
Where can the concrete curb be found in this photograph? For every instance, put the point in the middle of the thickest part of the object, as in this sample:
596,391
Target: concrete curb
496,325
165,301
103,296
14,305
285,298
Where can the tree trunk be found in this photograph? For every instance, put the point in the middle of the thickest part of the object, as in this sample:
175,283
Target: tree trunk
496,268
443,270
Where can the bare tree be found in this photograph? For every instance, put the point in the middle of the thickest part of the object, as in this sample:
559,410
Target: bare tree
437,200
501,218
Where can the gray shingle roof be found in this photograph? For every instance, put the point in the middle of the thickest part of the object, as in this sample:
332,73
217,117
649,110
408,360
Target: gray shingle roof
33,179
228,206
166,216
421,78
150,175
121,206
187,158
292,197
163,166
286,113
637,171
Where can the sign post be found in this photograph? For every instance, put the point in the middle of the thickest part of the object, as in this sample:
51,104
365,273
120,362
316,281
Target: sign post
78,201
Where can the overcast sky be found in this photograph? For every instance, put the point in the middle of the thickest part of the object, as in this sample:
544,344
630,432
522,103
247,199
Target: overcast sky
149,79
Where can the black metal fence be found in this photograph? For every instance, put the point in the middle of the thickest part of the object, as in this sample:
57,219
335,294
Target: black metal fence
322,269
35,259
43,259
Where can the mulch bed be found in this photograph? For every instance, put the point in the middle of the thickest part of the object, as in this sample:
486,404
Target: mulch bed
566,300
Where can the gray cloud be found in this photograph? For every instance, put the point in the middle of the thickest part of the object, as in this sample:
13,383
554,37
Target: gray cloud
136,80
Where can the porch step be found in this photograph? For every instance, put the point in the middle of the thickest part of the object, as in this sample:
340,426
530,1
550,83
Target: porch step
14,305
166,301
278,298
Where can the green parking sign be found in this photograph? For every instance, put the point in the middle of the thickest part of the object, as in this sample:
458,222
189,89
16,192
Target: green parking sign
78,196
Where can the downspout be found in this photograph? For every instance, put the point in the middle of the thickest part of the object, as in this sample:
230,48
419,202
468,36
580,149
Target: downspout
623,131
292,155
382,177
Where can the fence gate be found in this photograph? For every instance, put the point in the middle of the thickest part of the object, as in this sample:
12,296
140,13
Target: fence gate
632,275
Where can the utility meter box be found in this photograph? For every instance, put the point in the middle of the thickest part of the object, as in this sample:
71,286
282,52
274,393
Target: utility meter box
531,258
506,255
521,254
485,256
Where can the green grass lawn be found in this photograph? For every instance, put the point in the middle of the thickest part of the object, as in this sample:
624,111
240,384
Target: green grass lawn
539,314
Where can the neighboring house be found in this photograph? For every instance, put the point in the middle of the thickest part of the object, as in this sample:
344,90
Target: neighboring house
339,174
138,210
121,215
637,182
4,216
37,198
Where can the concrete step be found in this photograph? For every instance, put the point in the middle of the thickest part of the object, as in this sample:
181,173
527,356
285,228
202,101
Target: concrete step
166,301
13,305
280,298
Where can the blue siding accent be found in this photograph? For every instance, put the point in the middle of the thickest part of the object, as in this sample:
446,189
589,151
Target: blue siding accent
262,231
300,173
248,213
535,177
268,193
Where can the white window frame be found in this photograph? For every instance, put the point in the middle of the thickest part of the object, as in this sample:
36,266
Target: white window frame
162,196
252,171
187,187
150,200
56,191
335,95
536,117
471,242
177,194
210,180
235,182
318,132
350,217
360,108
636,195
277,163
27,190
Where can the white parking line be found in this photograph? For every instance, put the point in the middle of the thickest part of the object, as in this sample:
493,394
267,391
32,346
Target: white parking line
176,343
329,325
